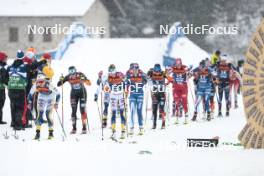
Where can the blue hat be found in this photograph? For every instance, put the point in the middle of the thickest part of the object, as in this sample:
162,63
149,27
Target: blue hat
20,54
157,68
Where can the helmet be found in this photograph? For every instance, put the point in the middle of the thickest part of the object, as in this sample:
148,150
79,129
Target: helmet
71,70
20,54
30,54
178,62
135,66
131,66
31,49
3,57
202,64
224,58
41,76
157,68
218,52
46,56
112,68
48,72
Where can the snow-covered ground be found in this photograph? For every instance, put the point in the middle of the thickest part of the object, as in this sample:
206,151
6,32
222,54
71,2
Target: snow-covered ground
159,152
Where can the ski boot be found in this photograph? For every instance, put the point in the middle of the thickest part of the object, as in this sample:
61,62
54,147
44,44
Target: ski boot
173,113
104,123
123,134
236,105
180,114
154,126
204,115
84,130
73,131
113,135
220,114
194,116
2,123
163,125
131,131
37,136
208,116
212,115
50,134
185,118
141,131
177,120
227,113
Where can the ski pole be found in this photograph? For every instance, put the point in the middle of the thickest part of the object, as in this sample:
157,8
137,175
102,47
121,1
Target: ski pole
188,84
216,94
194,101
102,114
125,104
85,98
62,104
146,113
101,118
168,105
58,115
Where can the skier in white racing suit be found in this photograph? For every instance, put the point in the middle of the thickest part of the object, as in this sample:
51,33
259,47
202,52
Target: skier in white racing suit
48,98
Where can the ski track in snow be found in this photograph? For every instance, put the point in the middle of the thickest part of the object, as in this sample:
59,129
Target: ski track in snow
159,152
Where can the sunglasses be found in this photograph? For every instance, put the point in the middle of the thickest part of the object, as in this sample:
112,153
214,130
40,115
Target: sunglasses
111,70
40,82
135,67
71,71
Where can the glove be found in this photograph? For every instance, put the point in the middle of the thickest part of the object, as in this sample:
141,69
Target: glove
42,62
88,82
61,78
29,106
95,97
56,106
100,74
126,94
82,78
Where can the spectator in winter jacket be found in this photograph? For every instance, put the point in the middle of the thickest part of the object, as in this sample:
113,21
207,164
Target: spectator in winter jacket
36,67
32,63
3,83
17,83
215,57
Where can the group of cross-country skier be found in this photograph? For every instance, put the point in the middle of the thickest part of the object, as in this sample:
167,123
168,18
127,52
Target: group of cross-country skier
33,96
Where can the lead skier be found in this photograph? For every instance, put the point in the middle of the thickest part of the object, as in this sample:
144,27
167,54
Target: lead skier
78,95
